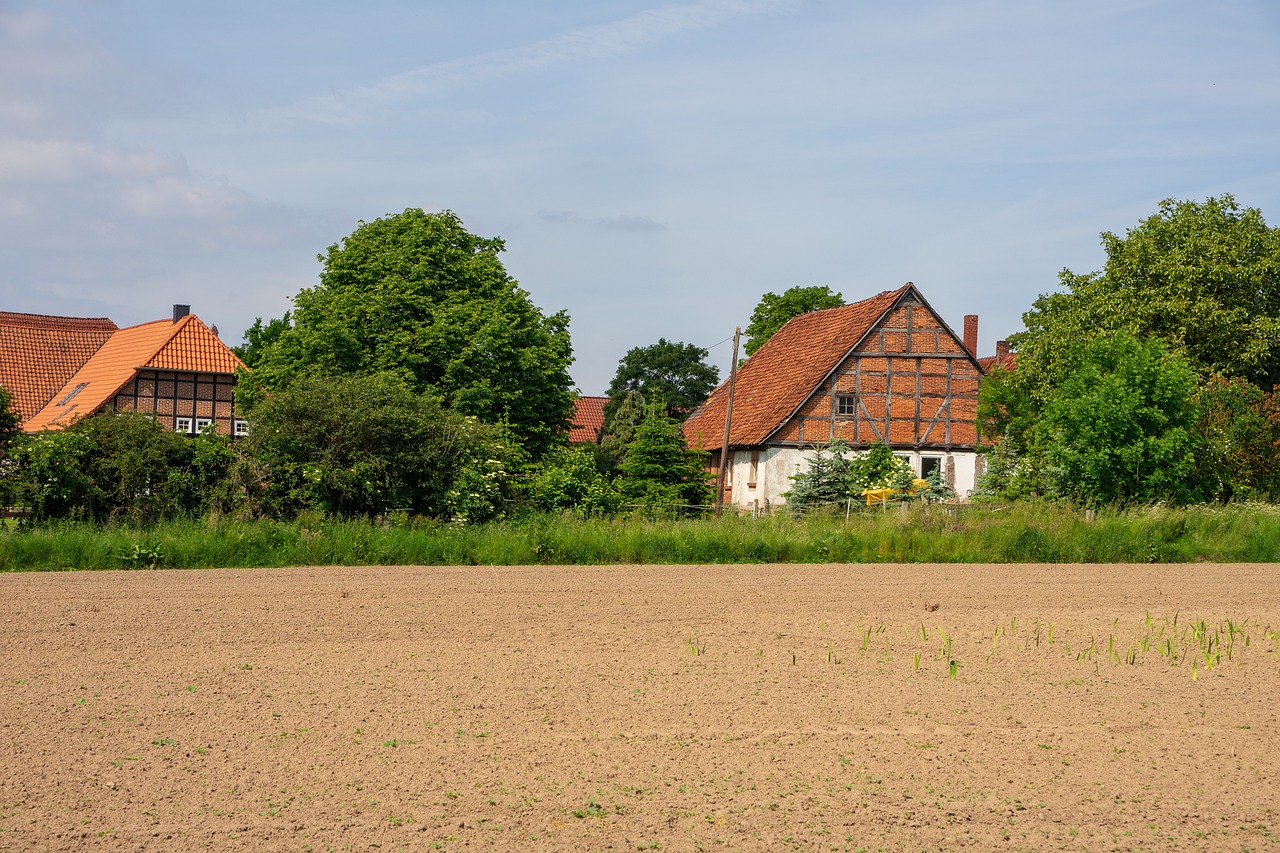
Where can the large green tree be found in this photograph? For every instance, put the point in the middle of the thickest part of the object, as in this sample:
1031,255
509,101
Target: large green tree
774,311
672,374
1119,428
417,297
1203,278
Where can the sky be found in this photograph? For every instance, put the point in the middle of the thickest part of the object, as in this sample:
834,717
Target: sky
654,168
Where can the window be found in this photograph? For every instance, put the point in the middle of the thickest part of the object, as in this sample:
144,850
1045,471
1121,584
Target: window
754,470
241,429
201,423
71,395
929,464
182,425
846,405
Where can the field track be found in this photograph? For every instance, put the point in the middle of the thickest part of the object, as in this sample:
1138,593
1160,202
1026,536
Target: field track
638,708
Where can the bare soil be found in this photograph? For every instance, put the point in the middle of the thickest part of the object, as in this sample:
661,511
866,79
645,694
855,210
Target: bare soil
638,708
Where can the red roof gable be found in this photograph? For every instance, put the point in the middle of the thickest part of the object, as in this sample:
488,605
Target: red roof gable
39,352
782,374
588,420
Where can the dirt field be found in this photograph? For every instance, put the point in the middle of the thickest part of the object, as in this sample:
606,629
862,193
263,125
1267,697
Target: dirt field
642,708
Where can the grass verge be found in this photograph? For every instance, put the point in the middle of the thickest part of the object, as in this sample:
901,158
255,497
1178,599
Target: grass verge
1038,533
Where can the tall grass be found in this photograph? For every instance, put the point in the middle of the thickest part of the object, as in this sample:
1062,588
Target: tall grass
1037,533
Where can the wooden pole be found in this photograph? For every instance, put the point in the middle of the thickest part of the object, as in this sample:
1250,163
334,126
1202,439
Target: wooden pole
728,419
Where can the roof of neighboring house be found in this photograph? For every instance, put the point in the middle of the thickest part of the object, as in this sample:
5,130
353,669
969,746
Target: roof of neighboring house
39,352
186,345
782,374
588,420
1009,361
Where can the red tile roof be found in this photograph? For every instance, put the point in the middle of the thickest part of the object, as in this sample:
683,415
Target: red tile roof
162,344
588,420
782,374
1009,362
38,353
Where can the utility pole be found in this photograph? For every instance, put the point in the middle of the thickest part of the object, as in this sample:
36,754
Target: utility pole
728,419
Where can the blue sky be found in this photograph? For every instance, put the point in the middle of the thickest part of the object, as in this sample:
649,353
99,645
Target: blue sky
653,167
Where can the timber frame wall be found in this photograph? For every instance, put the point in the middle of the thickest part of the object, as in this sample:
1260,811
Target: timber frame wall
172,394
910,382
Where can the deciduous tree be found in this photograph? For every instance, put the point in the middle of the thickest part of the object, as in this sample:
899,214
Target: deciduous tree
417,297
673,374
1203,278
773,311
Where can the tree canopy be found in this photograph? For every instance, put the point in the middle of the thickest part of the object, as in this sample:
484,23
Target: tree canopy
671,374
774,311
1203,278
417,297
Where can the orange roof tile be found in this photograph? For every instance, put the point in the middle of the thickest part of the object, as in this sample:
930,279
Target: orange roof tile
588,420
162,344
782,374
196,348
38,353
989,362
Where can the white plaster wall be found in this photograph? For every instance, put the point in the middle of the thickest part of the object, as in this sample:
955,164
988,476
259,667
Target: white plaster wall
777,464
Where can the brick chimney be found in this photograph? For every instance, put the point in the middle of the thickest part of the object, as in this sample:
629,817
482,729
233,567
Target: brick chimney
971,334
180,311
1002,351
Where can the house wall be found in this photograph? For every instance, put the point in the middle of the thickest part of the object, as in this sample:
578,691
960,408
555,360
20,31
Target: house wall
775,465
171,395
912,384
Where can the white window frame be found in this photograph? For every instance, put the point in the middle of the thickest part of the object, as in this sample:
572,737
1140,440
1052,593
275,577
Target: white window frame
201,423
182,425
241,428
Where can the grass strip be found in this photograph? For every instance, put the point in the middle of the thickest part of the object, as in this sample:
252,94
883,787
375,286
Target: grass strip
1018,533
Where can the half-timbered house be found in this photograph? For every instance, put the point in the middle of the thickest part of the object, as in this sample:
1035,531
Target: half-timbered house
66,368
884,370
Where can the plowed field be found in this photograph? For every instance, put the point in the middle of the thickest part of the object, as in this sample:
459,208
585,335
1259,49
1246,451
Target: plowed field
639,708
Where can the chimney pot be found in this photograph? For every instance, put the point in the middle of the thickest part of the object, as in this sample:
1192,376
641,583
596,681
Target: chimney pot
180,311
971,334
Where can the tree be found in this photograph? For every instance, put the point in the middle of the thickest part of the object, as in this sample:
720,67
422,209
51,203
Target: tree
672,374
1202,278
1238,426
620,429
1119,429
258,338
659,471
416,297
774,311
360,446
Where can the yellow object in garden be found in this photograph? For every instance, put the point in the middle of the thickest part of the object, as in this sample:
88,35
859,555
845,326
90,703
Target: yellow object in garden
883,496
